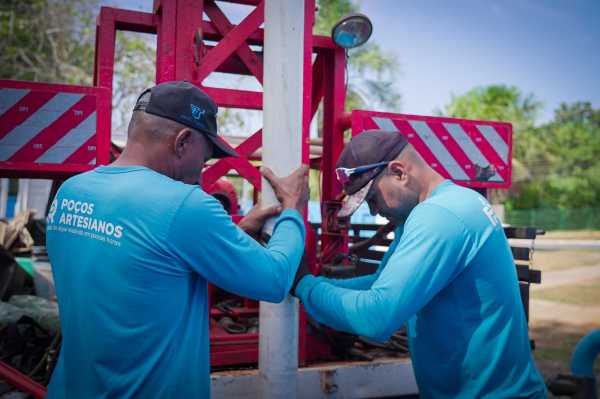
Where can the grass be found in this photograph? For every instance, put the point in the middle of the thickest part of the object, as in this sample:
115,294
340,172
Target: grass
565,259
555,343
582,294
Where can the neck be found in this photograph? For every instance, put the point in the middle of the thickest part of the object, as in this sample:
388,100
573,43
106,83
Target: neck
147,155
433,179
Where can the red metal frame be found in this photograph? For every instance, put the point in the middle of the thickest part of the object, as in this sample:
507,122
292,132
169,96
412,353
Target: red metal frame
178,25
182,53
20,381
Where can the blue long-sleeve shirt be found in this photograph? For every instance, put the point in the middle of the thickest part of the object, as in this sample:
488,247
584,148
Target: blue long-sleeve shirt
132,252
450,272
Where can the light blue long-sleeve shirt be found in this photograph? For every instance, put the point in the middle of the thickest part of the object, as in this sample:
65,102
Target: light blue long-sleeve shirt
450,272
132,252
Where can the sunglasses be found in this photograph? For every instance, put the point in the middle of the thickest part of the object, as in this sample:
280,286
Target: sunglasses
344,174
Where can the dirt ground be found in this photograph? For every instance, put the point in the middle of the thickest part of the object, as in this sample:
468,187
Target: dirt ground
563,313
555,343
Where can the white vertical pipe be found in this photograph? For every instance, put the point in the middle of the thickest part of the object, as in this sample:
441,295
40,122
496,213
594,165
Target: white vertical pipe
4,184
282,152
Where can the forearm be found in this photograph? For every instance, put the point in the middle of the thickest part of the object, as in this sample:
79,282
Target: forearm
364,312
355,283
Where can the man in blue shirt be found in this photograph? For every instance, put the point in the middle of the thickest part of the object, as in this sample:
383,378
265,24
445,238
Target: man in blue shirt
449,273
134,244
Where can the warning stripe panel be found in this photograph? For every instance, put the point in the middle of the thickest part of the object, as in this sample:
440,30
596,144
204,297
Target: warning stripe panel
466,144
42,118
473,152
9,97
454,149
85,154
52,130
490,153
19,111
439,150
413,138
49,136
497,143
70,142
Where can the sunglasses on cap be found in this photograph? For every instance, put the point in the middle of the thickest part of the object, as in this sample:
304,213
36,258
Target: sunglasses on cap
344,174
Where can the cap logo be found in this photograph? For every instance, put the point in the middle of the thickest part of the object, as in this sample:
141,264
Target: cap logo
197,112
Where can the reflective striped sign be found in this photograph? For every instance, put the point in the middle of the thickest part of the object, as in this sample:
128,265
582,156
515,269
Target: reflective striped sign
43,124
470,152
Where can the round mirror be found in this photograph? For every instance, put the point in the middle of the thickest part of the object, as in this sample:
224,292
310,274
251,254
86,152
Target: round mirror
352,31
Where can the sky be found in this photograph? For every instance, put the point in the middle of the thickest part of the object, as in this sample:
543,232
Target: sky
548,48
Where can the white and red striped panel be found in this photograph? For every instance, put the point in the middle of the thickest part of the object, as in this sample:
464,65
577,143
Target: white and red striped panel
52,127
473,153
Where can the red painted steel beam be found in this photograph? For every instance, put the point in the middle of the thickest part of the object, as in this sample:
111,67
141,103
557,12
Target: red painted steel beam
229,43
230,98
333,143
234,65
165,41
20,381
134,21
318,88
320,43
189,18
245,54
105,48
333,132
244,2
221,167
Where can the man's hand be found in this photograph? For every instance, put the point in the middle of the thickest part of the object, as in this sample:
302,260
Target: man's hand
253,222
291,191
303,270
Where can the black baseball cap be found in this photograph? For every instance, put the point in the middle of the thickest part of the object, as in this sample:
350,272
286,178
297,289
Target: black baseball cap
367,148
185,103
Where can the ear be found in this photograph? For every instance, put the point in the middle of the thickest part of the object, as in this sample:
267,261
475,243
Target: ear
398,169
182,140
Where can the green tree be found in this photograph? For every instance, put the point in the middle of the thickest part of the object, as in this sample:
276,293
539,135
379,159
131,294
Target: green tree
371,72
572,143
555,165
507,104
46,41
53,41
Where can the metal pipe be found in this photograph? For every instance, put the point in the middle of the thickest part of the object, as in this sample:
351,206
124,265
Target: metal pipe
282,152
20,381
586,351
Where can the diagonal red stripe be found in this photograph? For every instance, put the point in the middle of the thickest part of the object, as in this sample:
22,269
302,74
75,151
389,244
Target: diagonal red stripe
369,124
221,167
244,53
453,148
413,138
487,150
45,139
229,43
22,110
85,153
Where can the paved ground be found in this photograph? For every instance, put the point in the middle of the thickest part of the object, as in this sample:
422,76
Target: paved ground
555,244
541,310
568,276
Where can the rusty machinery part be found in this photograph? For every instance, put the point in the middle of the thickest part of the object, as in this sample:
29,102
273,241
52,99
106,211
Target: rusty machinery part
225,193
352,347
29,348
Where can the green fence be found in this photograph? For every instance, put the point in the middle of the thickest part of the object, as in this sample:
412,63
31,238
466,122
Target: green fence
555,219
